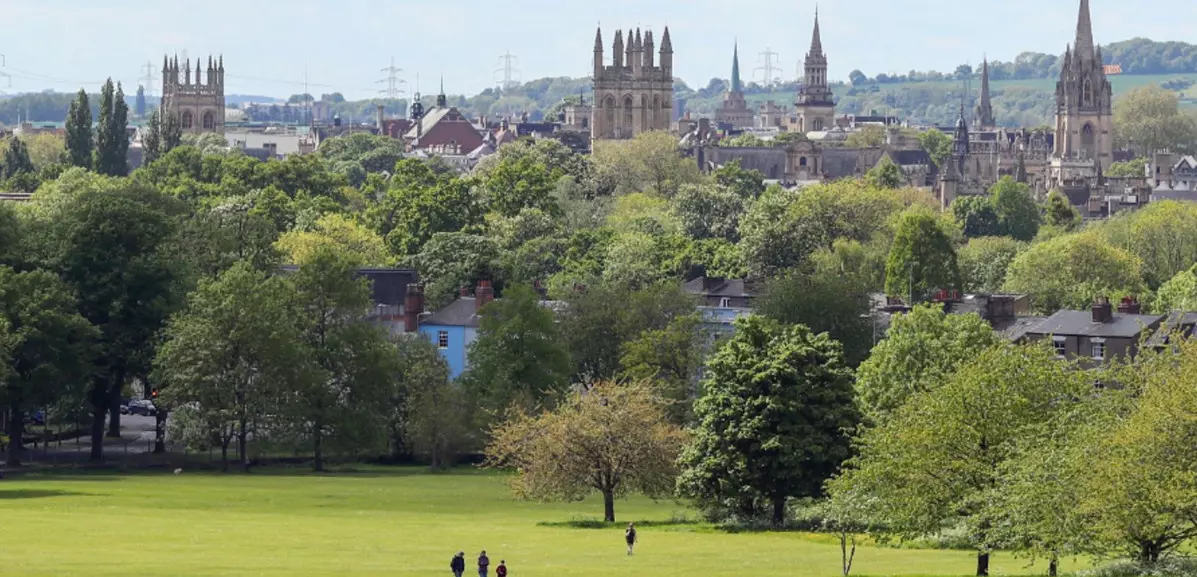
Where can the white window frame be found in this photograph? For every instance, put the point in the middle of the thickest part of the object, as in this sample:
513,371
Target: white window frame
1061,345
1096,343
724,303
442,340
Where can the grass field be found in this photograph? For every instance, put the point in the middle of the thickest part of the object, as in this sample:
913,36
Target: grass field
387,522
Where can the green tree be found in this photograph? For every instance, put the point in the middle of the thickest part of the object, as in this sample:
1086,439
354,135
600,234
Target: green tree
1069,271
79,131
46,348
420,203
518,357
886,174
110,240
612,439
430,418
1179,293
1060,213
939,459
923,257
709,211
1163,235
746,184
985,260
921,350
517,183
451,260
669,359
298,246
867,137
232,355
936,144
828,299
344,402
1150,117
976,216
773,421
1134,168
112,139
16,159
1017,214
650,162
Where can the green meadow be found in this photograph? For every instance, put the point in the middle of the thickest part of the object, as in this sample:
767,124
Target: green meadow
292,523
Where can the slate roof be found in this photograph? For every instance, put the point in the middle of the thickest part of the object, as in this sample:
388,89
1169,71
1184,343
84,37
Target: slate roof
1080,323
1182,322
389,285
718,287
462,312
1021,326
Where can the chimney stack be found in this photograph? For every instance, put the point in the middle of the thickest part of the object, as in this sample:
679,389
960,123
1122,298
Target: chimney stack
1130,306
380,116
1102,311
413,307
483,295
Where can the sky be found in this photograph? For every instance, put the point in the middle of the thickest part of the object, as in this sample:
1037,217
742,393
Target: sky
270,47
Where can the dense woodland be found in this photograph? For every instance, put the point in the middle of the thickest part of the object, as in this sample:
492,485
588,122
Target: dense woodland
168,280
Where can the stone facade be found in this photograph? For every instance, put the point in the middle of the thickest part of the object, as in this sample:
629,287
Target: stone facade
197,102
735,112
1084,99
634,94
815,106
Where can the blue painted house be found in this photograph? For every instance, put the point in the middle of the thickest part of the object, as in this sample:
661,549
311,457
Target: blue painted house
454,327
722,301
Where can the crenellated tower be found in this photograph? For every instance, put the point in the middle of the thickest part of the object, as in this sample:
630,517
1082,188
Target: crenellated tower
635,93
197,102
1084,100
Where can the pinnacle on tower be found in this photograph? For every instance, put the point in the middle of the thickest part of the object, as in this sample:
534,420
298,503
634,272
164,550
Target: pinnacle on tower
598,39
648,49
735,77
639,41
618,48
985,107
1084,34
666,45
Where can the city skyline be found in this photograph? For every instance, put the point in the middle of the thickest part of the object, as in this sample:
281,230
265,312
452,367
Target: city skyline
342,47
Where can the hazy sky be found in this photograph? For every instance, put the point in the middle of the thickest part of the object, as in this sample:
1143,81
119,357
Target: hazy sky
65,44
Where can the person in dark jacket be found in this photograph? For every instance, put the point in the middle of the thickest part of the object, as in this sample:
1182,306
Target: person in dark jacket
483,564
630,537
457,565
501,570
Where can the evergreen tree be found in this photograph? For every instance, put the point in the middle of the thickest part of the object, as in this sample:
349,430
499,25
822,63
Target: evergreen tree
79,131
140,102
16,159
112,142
151,142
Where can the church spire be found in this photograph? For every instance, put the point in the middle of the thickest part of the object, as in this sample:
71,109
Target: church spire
816,41
736,86
1084,34
985,108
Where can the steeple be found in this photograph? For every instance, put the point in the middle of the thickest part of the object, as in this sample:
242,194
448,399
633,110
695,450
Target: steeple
630,48
985,108
618,48
442,101
816,41
666,54
598,52
735,77
666,45
648,49
1084,34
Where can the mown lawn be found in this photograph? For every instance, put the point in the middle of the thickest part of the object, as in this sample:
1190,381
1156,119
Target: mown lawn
386,522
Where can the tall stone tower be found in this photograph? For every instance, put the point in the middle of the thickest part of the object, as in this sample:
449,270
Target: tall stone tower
197,102
634,94
815,104
1084,100
734,111
985,106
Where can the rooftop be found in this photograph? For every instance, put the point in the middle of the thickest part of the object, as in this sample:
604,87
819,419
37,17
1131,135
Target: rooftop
1080,323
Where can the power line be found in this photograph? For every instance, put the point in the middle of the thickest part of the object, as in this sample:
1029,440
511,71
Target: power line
509,72
3,74
770,72
392,81
147,81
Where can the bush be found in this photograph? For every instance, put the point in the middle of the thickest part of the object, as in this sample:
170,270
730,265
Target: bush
1171,567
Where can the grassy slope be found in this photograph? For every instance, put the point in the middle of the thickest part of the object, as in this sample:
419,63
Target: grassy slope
393,522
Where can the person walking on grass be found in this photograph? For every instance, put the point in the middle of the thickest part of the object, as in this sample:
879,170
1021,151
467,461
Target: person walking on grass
501,570
483,564
630,537
457,565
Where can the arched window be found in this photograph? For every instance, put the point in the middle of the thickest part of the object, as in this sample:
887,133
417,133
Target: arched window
609,117
209,122
628,107
818,124
1086,92
188,121
1089,141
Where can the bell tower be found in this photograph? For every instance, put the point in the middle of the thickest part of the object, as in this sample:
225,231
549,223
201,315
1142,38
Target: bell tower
1084,100
816,103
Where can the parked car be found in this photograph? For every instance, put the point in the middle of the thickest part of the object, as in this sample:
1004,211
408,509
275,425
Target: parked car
142,407
124,407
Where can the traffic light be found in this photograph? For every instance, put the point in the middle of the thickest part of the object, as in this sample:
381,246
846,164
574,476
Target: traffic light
154,393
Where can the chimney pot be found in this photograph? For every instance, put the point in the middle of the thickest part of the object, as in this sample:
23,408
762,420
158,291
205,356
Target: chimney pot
484,295
1102,311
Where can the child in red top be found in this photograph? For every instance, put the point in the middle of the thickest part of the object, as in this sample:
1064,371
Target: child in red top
501,570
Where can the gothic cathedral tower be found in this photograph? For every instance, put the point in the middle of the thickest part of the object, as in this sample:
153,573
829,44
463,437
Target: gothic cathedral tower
197,103
816,104
1084,99
634,94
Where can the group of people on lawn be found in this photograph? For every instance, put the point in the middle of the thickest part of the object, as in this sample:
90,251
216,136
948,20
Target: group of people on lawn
457,565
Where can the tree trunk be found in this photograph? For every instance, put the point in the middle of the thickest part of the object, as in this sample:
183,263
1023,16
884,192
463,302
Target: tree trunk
160,432
318,449
1149,552
98,414
1053,566
779,511
114,408
16,430
609,506
982,564
224,455
242,438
